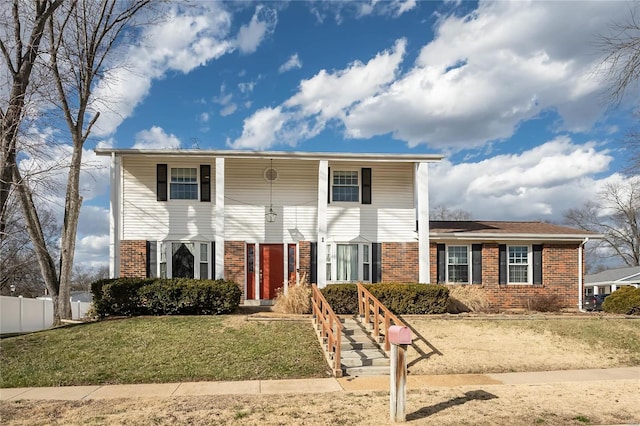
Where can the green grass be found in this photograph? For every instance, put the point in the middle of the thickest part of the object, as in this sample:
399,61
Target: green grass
613,333
162,349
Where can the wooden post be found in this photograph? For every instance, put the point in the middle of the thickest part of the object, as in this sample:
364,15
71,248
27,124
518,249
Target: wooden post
398,393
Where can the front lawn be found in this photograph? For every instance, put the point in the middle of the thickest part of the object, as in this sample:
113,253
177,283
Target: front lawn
162,349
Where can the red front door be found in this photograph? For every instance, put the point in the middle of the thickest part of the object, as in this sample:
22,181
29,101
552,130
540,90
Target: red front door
271,270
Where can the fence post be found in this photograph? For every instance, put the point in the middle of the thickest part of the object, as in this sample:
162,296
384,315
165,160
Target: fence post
400,338
21,308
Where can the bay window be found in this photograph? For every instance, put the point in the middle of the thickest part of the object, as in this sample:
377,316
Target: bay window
348,262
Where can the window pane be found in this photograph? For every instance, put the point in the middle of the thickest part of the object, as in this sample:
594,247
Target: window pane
347,262
458,256
345,186
458,273
182,261
204,271
518,273
365,253
518,255
204,255
184,184
365,273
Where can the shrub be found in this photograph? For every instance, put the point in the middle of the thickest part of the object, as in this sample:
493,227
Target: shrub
343,298
545,303
466,298
134,296
411,298
399,298
625,300
297,300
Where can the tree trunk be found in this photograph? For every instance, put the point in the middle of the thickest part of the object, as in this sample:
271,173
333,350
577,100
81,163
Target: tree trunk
47,266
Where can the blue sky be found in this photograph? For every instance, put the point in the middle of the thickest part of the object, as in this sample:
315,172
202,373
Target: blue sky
509,91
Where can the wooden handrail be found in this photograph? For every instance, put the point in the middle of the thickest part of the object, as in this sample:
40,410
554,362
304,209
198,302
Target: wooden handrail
330,327
368,304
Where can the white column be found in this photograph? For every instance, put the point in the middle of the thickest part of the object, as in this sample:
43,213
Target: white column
422,194
219,209
614,287
114,216
323,182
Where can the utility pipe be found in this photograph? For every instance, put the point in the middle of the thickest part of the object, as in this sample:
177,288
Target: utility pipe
580,279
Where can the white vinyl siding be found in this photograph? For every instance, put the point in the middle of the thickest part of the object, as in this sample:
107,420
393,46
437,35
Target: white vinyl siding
391,217
145,218
295,195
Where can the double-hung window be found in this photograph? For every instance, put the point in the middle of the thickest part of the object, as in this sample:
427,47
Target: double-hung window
458,264
184,183
345,186
518,264
348,262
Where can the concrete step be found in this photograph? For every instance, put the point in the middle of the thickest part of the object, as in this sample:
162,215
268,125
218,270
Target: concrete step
367,371
361,362
353,346
366,353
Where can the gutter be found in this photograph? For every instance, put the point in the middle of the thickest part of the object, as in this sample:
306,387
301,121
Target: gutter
580,277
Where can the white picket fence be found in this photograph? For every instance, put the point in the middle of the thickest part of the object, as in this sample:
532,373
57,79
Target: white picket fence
21,314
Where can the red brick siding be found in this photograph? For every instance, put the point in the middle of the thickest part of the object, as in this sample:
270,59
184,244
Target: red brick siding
400,262
559,277
304,264
133,259
234,263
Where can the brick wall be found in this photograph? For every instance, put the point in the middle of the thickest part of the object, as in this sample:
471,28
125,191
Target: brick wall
133,259
559,277
234,263
400,262
304,264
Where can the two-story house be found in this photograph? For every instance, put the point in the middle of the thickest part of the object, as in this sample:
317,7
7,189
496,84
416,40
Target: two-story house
269,219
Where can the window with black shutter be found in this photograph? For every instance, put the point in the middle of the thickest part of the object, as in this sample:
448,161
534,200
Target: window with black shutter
366,185
161,186
441,262
476,263
205,182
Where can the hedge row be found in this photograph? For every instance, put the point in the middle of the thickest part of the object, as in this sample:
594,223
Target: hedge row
399,298
135,296
625,300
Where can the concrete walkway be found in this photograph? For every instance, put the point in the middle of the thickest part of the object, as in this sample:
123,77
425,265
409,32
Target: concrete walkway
345,384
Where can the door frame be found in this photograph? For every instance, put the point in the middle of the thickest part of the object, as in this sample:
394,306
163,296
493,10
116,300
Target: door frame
257,247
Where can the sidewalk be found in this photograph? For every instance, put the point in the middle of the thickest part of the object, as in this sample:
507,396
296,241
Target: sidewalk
345,384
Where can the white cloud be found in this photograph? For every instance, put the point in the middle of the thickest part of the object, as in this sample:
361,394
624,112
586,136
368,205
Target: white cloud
292,63
262,24
338,10
228,110
204,117
247,87
92,251
486,72
481,77
156,138
321,98
540,183
187,38
259,130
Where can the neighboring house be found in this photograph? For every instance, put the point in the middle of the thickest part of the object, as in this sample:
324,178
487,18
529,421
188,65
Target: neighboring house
270,219
606,282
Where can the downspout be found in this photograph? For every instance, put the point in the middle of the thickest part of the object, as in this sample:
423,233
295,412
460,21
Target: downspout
580,276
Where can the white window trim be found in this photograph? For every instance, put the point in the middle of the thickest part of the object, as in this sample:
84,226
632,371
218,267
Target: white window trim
469,263
334,262
359,174
529,265
167,246
198,181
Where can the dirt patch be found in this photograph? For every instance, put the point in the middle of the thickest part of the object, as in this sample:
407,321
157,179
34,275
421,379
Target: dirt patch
553,404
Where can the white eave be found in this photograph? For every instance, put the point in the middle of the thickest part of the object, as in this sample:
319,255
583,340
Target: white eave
333,156
485,236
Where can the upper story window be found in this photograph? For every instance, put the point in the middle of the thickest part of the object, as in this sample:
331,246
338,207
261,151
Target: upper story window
345,186
184,183
518,270
457,264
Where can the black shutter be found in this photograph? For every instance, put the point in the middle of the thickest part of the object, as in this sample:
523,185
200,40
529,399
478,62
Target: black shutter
314,263
366,185
442,263
152,258
376,262
161,172
205,182
537,264
328,185
213,260
502,261
476,263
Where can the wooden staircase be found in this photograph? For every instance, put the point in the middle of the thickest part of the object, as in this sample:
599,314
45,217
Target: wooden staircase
361,355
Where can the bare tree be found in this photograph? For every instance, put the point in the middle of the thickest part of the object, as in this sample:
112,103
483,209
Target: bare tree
441,212
20,53
615,215
82,37
621,47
